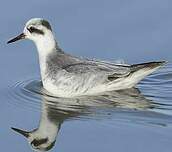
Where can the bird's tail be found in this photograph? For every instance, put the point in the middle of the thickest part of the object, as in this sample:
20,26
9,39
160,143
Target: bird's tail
139,71
148,66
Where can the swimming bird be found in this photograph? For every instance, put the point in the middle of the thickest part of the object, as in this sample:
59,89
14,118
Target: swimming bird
65,75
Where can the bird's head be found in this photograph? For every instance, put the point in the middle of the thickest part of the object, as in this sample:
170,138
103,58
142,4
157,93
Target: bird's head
39,31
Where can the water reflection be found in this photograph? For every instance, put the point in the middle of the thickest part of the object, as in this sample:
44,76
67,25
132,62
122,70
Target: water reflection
55,111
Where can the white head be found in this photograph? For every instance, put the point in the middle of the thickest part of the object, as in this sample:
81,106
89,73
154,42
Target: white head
39,31
37,140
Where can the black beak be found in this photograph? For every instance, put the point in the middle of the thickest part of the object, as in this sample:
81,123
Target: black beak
21,36
22,132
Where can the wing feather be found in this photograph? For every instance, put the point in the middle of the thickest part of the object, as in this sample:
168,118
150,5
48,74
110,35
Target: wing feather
111,70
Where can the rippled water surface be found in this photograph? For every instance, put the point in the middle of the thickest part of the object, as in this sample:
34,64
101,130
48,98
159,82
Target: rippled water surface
133,120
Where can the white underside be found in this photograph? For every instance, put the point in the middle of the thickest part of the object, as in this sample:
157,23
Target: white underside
63,90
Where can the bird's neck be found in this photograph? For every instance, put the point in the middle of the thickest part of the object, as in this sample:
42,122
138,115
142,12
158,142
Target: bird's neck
45,47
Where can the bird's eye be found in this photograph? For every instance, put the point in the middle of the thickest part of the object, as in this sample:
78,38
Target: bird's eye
35,30
31,29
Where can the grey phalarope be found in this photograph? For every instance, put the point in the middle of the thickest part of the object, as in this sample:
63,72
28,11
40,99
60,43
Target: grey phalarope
64,75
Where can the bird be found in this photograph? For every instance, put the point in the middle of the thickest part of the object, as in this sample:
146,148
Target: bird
65,75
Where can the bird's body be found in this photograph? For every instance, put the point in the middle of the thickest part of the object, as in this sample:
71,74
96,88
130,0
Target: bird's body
64,75
68,76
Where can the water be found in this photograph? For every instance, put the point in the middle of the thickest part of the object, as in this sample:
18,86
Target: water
131,120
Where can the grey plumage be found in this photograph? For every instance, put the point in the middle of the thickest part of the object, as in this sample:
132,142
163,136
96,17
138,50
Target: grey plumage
61,61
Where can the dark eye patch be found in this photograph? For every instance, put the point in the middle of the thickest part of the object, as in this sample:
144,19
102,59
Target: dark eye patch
35,30
37,142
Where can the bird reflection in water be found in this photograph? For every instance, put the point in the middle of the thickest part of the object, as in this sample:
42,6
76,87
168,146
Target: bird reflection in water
57,110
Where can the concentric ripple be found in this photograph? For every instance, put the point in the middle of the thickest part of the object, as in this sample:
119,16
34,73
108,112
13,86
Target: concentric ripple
26,94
